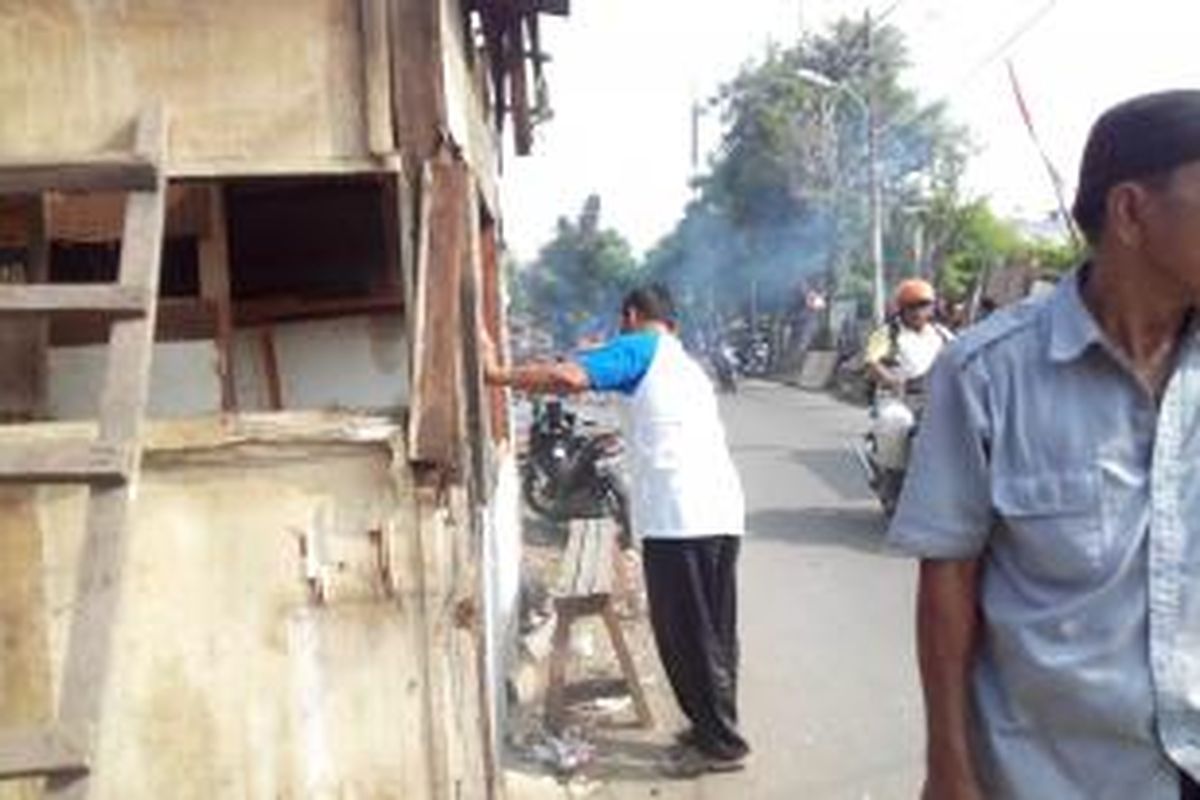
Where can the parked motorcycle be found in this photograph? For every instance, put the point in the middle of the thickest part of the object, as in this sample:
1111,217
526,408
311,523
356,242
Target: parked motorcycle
569,474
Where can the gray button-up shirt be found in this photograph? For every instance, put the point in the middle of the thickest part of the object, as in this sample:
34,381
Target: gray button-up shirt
1041,454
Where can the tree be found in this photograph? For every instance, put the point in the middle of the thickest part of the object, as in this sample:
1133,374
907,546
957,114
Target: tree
785,197
575,284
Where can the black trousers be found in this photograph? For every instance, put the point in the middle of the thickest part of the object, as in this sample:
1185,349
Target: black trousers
1188,788
692,589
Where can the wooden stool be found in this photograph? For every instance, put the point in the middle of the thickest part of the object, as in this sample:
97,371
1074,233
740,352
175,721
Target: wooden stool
585,590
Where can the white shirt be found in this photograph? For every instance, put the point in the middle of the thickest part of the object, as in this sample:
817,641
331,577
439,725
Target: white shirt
684,483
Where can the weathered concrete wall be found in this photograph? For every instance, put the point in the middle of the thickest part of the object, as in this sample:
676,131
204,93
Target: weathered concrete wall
358,363
290,624
352,362
249,85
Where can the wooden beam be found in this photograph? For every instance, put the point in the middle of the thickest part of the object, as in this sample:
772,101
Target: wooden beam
111,300
215,288
102,173
436,424
64,462
495,320
418,83
88,659
34,752
270,362
177,319
377,79
519,89
279,309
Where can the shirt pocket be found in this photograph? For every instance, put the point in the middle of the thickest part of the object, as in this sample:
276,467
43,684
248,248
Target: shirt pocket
1054,521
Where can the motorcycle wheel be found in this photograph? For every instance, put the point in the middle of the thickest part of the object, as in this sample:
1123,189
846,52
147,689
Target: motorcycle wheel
538,491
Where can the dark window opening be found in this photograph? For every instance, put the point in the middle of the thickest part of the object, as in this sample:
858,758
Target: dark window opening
307,239
77,262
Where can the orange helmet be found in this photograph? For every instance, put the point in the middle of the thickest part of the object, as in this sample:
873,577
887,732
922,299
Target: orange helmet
915,292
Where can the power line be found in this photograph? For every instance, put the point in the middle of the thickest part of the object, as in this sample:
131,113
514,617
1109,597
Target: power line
1002,49
982,64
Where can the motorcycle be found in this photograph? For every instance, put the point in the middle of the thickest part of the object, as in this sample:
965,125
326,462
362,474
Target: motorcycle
883,477
754,356
569,474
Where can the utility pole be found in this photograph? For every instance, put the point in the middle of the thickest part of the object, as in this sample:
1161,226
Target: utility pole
879,306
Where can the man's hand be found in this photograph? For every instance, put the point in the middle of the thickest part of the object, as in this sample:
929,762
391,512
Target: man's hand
947,632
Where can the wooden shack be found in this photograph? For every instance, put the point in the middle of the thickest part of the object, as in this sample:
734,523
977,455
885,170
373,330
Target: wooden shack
257,511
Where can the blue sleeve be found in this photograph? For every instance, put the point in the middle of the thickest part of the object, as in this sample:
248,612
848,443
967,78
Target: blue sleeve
620,365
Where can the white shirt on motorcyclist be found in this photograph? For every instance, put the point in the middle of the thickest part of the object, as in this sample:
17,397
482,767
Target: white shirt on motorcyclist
913,351
684,483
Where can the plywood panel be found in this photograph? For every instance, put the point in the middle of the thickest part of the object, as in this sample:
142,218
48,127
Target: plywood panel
246,82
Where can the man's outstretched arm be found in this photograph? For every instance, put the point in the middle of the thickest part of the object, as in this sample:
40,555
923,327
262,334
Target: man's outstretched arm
550,377
564,377
947,634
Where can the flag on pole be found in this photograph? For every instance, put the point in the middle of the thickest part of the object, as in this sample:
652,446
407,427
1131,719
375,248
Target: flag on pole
1055,177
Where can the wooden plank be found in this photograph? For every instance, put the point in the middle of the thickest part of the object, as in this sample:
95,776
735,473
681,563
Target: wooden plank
177,319
436,424
279,309
590,560
496,322
519,89
270,364
377,79
628,667
64,462
556,684
475,390
100,173
122,410
35,752
607,554
568,570
54,298
215,288
418,81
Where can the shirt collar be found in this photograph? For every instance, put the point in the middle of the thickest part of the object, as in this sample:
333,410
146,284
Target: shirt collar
1073,329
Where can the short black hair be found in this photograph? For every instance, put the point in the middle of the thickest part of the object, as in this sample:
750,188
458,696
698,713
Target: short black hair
1143,139
652,301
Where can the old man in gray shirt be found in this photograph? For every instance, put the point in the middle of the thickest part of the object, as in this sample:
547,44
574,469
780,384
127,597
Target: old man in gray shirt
1054,499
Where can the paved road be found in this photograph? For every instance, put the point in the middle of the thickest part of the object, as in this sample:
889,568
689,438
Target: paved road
830,693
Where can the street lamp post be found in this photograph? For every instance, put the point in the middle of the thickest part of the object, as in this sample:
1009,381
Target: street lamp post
874,190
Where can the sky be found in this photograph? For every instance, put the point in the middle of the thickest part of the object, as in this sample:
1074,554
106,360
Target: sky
624,74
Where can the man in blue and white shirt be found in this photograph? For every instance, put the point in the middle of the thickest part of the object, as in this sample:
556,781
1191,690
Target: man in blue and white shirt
687,508
1054,499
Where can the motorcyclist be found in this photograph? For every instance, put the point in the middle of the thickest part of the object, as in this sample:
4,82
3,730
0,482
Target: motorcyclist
898,356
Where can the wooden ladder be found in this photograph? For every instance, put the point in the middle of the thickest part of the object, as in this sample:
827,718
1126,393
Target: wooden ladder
108,465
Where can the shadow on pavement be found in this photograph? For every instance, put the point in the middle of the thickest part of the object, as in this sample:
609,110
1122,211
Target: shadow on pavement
860,529
837,469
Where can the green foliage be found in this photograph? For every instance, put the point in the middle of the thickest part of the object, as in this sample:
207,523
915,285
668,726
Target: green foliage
786,196
578,278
